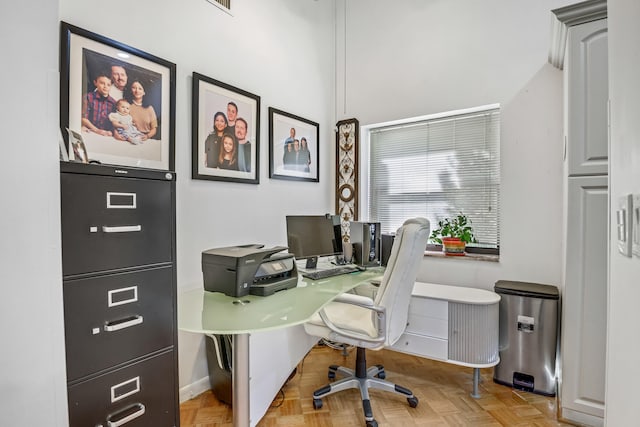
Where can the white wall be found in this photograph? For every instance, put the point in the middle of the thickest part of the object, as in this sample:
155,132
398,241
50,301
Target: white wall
32,378
623,346
413,57
280,50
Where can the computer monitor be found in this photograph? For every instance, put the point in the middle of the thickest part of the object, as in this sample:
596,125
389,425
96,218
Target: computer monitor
312,236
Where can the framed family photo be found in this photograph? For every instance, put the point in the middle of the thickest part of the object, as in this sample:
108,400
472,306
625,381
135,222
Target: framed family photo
225,132
293,147
121,100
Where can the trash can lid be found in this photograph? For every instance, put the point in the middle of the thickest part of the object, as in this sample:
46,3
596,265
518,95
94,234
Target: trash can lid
526,289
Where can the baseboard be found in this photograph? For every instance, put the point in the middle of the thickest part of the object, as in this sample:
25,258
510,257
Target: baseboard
194,389
580,418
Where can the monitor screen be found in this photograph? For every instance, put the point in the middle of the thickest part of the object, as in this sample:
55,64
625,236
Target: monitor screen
313,235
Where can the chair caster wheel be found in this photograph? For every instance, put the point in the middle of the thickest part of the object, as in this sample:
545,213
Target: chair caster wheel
372,423
382,374
413,401
317,403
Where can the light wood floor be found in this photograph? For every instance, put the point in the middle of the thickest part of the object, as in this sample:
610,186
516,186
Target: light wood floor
443,390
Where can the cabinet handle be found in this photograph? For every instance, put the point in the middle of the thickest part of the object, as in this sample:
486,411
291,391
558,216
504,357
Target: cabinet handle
123,421
121,229
124,323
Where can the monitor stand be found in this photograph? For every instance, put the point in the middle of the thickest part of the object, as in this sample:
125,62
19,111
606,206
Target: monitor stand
312,262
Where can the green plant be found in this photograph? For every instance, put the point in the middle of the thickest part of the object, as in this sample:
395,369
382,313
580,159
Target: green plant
458,226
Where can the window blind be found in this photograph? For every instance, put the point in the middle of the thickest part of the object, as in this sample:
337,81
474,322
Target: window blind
438,168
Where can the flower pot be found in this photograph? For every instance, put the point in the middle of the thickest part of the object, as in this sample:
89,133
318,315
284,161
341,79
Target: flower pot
453,246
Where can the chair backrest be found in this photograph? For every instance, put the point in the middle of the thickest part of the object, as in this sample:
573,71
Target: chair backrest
396,286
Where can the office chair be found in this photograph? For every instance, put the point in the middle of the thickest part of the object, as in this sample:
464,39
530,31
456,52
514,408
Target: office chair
373,323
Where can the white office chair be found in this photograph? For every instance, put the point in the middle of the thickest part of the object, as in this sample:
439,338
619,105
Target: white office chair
373,323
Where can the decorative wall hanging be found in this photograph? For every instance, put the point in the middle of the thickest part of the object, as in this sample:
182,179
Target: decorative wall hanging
293,147
119,99
347,173
225,132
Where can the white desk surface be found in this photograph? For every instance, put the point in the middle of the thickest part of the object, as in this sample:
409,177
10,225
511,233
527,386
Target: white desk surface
457,294
206,312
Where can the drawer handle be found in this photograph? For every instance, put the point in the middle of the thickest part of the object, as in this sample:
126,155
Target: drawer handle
128,418
121,229
124,323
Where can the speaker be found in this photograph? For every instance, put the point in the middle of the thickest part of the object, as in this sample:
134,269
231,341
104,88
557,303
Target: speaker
386,243
365,238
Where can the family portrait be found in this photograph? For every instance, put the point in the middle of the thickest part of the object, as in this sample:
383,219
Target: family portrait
225,132
120,100
293,147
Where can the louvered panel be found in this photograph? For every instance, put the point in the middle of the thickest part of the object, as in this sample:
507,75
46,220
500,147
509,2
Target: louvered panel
473,333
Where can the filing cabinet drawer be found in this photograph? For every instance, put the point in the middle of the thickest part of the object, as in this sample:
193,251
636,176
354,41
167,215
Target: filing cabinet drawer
113,318
138,395
113,222
433,348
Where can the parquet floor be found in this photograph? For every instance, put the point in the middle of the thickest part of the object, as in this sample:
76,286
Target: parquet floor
443,390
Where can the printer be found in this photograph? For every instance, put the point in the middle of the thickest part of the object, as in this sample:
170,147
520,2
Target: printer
248,269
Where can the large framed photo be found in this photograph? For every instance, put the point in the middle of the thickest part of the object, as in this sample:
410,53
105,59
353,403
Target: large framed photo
293,147
120,99
225,132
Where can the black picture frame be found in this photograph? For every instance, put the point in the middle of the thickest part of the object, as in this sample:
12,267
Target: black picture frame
212,99
150,143
285,162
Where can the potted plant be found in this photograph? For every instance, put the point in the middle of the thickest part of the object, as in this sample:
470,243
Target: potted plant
453,234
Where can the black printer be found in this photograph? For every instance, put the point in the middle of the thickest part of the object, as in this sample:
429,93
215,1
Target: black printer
248,269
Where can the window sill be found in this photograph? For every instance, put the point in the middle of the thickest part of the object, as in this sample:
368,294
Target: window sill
466,257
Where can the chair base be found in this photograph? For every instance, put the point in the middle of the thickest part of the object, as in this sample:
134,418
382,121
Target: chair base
362,378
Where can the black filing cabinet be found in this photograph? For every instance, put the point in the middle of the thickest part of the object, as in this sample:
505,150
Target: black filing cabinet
119,280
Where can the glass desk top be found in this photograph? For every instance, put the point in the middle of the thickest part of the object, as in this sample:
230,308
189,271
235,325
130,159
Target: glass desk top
206,312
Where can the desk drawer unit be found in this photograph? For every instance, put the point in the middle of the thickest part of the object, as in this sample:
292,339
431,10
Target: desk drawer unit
117,317
113,222
426,334
137,395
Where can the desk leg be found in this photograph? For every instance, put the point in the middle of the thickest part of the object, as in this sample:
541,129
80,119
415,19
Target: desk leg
240,380
476,380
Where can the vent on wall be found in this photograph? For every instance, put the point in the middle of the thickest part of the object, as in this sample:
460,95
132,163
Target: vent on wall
222,4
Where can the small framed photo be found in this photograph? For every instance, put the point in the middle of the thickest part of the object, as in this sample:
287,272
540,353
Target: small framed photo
77,147
121,100
293,147
225,132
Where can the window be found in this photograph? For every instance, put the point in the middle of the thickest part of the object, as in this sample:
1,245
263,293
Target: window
436,167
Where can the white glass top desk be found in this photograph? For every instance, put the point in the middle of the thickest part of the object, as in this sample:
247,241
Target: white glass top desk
205,312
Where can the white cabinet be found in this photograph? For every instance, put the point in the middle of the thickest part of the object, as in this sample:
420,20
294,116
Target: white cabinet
584,319
453,324
587,94
583,32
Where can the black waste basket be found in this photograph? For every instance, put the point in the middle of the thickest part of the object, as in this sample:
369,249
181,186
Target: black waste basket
219,360
528,336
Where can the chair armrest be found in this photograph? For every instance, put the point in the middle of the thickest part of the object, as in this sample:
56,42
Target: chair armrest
354,299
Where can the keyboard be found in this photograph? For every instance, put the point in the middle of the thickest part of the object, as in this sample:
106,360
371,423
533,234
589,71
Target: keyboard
330,272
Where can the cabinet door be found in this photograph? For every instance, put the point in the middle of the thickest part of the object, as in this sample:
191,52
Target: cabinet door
588,94
584,305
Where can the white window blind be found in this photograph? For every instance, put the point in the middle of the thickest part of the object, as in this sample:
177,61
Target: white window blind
436,168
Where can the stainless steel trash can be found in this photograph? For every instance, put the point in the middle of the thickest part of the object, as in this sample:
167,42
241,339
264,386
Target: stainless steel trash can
528,339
